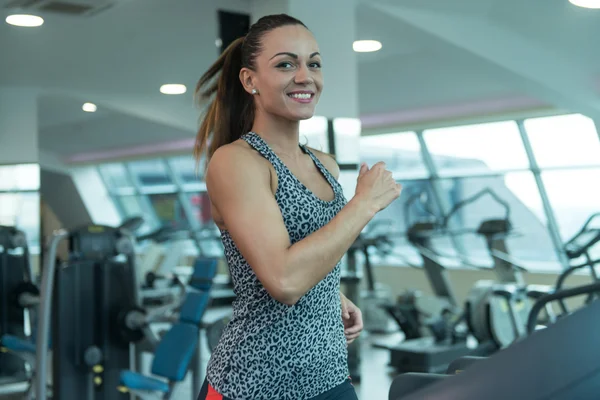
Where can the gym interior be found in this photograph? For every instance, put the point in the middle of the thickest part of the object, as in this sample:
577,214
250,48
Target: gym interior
112,273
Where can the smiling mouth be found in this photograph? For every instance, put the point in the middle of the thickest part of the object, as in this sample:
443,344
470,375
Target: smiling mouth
303,97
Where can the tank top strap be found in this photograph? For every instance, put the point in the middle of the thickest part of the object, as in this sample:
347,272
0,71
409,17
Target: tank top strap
332,181
254,140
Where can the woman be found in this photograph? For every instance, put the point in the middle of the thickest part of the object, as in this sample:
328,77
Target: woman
284,221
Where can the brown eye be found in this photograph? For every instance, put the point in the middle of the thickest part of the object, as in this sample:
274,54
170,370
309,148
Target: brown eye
285,65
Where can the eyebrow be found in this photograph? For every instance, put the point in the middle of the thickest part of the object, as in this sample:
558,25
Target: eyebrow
285,53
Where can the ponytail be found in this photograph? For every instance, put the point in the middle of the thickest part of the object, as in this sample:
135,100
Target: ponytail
231,112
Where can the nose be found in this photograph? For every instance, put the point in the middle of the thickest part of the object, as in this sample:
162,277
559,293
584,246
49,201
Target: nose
303,76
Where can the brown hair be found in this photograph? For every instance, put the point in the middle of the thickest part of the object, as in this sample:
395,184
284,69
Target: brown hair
231,113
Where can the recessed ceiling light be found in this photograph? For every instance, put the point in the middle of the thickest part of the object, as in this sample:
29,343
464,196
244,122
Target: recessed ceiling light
24,20
586,3
173,89
366,46
89,107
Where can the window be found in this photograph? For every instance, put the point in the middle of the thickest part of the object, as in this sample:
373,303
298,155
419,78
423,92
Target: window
152,176
185,169
564,141
168,210
400,151
395,219
115,176
22,210
200,208
19,177
573,195
476,149
530,242
135,206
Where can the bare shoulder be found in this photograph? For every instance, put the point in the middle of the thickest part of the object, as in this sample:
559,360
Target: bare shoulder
328,162
236,156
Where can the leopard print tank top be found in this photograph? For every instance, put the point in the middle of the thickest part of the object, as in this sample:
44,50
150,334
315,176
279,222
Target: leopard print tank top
270,350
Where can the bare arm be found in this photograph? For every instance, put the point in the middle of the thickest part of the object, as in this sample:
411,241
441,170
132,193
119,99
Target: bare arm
243,197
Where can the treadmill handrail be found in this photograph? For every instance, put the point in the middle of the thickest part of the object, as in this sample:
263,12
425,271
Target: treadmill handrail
437,255
559,295
473,198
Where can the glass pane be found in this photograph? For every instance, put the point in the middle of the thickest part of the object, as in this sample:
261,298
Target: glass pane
19,177
573,195
347,140
168,210
400,151
313,133
208,236
395,219
530,244
133,206
476,149
185,169
150,173
22,210
564,141
201,208
115,176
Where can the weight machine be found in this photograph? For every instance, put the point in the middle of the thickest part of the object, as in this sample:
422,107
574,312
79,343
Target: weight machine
17,300
80,303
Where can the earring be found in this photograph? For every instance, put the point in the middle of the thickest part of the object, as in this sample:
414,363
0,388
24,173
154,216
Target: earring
254,91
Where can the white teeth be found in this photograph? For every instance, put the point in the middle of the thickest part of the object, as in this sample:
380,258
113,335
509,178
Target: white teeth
300,95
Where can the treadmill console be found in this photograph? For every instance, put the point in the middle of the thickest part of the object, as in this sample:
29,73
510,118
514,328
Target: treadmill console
494,227
580,244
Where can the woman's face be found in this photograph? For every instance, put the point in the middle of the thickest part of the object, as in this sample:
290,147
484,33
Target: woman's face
288,73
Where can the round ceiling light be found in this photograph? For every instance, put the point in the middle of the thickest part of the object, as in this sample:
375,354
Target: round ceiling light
24,20
173,89
89,107
586,3
366,46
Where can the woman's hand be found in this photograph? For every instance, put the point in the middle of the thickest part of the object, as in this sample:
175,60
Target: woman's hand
352,317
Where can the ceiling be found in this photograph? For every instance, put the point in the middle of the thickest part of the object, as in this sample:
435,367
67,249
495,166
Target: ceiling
441,60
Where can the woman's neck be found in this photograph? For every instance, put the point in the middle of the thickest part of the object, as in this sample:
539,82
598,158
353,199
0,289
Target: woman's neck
282,135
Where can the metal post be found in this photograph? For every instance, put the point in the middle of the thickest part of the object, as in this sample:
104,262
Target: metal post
196,368
552,224
44,316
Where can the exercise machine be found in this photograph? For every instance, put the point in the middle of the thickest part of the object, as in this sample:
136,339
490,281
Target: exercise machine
580,245
17,300
79,305
429,353
496,310
552,363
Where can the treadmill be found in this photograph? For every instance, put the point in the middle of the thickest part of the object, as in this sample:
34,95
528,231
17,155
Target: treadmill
555,363
578,246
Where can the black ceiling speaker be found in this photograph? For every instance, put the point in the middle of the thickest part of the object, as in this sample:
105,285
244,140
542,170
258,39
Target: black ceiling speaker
232,26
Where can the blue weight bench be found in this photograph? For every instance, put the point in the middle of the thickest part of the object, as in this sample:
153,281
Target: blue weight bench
173,353
17,344
205,270
171,361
